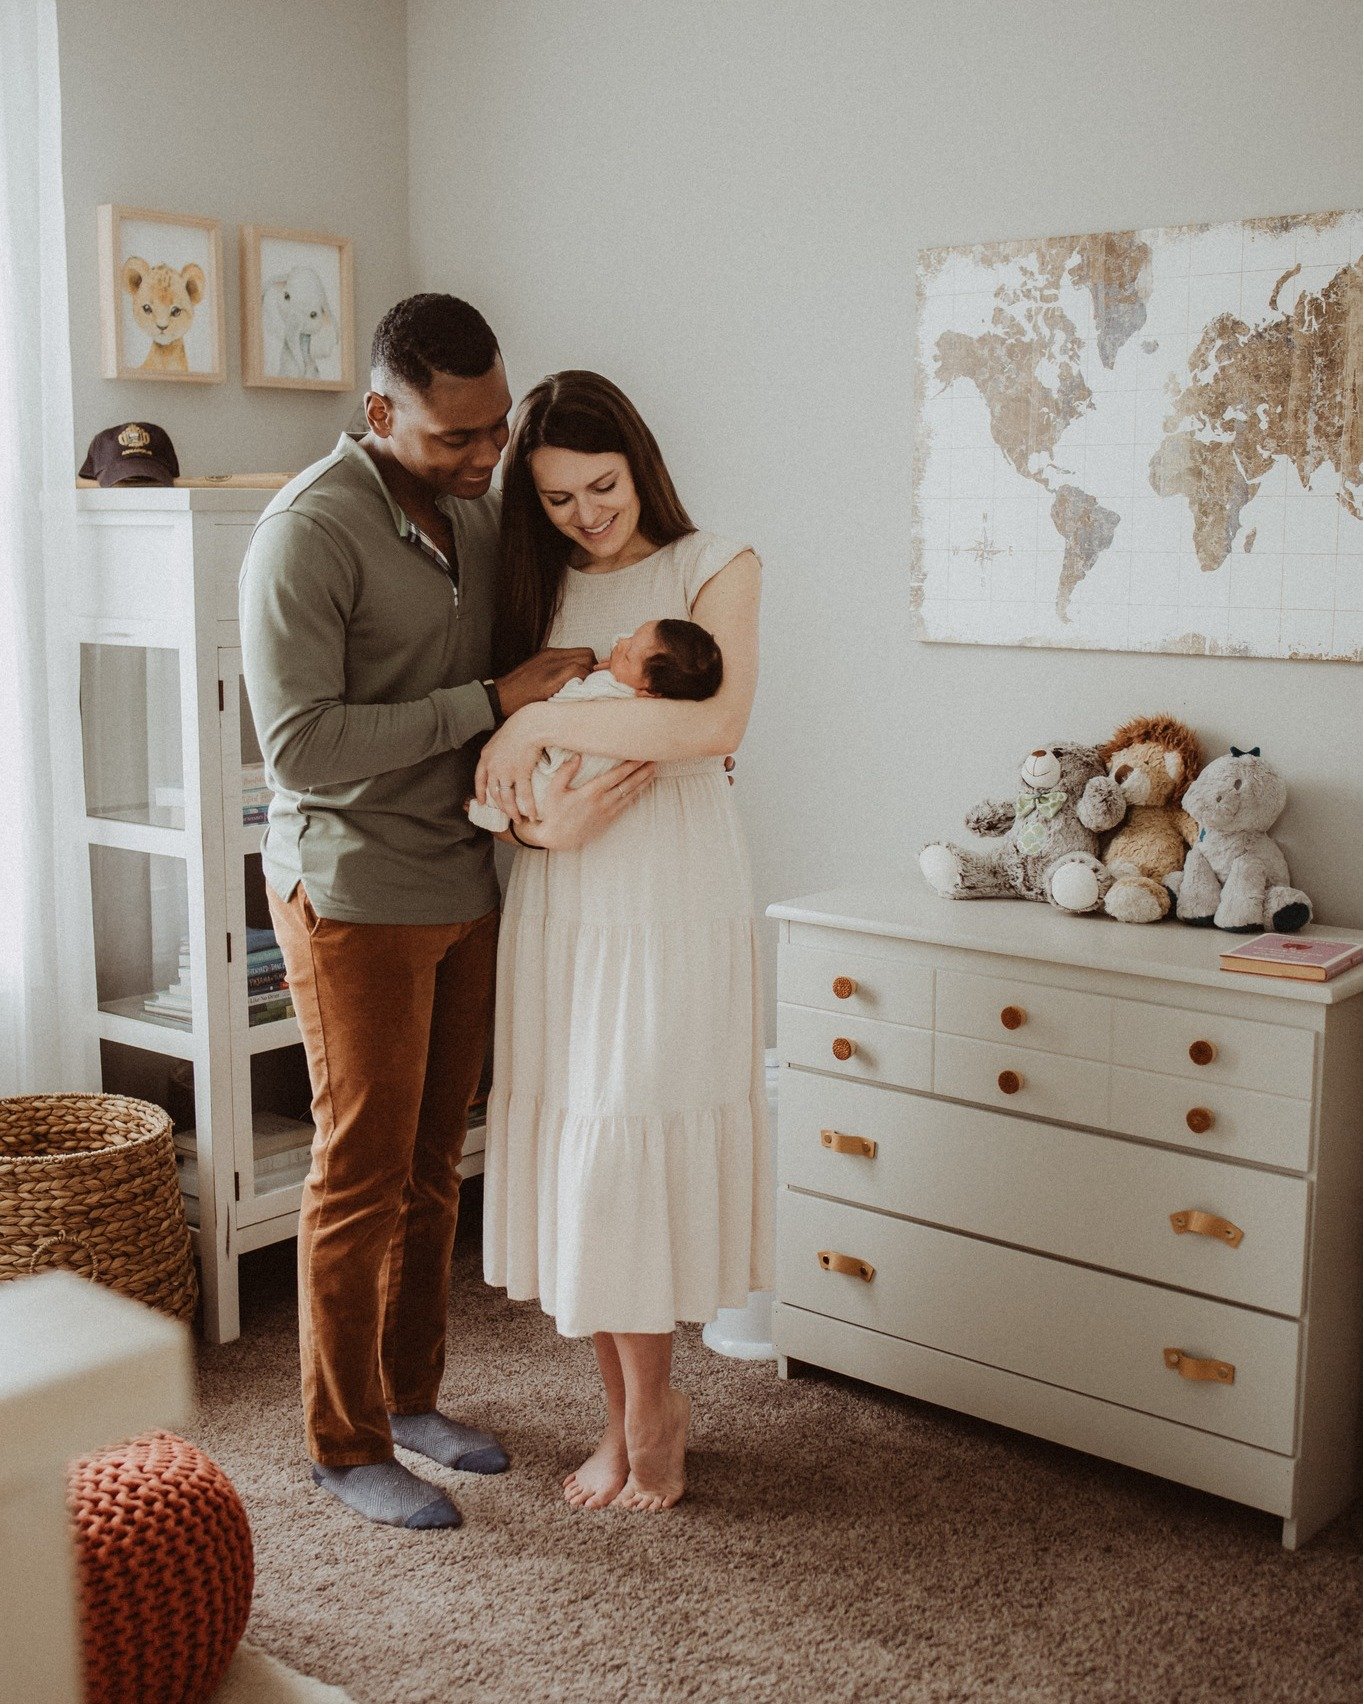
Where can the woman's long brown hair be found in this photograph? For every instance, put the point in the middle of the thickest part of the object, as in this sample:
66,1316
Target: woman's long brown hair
568,411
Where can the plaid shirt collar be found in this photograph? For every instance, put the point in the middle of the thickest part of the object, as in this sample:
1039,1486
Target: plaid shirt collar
428,546
408,530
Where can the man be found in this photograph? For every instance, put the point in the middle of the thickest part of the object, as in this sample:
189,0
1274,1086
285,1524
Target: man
367,602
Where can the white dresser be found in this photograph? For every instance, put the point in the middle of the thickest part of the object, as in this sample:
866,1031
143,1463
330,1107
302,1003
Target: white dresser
1070,1176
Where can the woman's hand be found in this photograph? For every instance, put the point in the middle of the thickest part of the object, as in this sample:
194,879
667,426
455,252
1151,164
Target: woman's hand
574,815
507,763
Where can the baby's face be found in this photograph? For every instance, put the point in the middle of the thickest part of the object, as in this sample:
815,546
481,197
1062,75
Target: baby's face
631,654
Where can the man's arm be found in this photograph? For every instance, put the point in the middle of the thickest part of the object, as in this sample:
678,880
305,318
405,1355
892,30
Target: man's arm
297,591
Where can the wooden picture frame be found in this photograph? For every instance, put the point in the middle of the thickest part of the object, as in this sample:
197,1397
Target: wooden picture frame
298,309
157,270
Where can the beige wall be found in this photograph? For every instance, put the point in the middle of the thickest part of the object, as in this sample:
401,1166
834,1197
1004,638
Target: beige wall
719,205
252,113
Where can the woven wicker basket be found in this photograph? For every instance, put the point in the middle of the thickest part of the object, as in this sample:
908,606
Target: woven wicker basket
88,1182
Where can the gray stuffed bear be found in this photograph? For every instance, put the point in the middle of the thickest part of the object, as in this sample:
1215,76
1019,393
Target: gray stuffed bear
1235,876
1052,833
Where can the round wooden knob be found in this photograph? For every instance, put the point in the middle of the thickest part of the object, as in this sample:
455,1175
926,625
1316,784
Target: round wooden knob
1013,1017
1010,1082
844,987
1199,1120
843,1048
1202,1052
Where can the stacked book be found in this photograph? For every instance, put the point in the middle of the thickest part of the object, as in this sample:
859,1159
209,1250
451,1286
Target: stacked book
267,987
282,1149
255,794
174,1002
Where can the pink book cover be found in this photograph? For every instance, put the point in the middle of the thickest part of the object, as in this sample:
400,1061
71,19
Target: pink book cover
1290,955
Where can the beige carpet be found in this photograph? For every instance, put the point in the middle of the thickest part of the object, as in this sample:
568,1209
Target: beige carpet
840,1544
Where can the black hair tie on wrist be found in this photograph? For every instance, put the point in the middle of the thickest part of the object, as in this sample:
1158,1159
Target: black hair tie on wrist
528,844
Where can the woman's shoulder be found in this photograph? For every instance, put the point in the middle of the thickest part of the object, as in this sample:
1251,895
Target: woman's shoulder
701,555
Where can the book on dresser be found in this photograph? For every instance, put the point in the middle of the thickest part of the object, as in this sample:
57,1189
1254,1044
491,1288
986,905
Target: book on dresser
1290,955
1066,1175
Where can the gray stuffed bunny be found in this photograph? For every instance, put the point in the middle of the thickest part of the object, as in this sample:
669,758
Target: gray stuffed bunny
1235,876
1052,830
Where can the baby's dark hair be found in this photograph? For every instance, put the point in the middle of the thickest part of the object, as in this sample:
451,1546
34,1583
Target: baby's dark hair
688,666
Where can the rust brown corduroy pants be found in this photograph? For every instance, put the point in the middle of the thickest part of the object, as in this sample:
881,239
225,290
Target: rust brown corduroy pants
395,1020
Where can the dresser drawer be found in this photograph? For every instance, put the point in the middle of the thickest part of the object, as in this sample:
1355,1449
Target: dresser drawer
1243,1125
1090,1198
1211,1049
1044,1085
1024,1014
887,1053
1085,1331
894,990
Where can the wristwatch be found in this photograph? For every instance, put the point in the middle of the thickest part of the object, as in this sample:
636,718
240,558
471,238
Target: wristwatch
495,703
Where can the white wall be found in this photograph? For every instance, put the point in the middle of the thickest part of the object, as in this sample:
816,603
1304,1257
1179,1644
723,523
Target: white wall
718,203
253,113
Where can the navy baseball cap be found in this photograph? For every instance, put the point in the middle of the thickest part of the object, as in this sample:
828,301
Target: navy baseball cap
136,453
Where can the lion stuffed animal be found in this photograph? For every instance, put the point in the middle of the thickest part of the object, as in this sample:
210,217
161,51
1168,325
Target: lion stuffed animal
1051,829
1152,759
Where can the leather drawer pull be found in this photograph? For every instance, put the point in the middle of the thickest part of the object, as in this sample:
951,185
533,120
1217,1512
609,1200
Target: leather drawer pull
1192,1367
1199,1120
1010,1082
1013,1017
834,1262
843,1048
1202,1052
1207,1225
844,987
863,1146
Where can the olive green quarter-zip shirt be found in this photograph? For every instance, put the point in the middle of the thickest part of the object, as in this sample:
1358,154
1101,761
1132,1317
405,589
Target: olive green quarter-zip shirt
363,661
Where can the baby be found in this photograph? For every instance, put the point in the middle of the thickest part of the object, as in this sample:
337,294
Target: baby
661,659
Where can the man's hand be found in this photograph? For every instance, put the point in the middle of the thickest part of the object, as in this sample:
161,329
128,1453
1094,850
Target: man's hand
571,816
541,677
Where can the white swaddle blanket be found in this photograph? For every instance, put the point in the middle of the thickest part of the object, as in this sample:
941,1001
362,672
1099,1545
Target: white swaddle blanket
601,683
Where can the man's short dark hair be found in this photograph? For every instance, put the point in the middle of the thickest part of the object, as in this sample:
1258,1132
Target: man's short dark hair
689,665
432,333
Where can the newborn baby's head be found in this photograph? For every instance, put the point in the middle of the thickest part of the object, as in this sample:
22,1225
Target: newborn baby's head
668,659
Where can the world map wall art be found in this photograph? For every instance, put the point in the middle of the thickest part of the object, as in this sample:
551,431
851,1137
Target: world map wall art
1143,441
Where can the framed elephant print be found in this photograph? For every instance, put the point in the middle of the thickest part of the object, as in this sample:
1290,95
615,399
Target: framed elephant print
161,296
298,319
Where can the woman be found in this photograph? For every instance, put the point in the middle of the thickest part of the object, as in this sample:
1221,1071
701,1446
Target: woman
628,1167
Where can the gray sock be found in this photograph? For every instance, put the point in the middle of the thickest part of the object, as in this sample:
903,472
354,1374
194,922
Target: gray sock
449,1443
385,1491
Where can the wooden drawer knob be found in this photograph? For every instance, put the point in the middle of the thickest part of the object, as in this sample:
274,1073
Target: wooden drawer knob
1013,1017
844,987
1199,1120
1010,1082
1199,1368
1193,1222
1202,1052
838,1143
832,1261
843,1048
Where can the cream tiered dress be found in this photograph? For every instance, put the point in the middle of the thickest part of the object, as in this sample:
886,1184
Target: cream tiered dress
628,1166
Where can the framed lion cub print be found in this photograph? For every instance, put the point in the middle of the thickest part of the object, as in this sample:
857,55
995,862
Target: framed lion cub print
161,296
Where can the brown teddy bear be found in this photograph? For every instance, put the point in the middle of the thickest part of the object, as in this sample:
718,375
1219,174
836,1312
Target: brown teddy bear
1152,759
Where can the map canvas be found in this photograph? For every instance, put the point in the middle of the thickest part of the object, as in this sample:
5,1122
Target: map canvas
1143,440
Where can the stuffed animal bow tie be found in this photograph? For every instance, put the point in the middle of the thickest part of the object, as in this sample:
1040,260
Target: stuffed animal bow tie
1045,804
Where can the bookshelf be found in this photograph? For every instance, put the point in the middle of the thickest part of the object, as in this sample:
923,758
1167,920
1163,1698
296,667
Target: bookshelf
170,881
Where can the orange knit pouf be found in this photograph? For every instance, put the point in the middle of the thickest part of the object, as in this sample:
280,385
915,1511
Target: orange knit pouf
163,1550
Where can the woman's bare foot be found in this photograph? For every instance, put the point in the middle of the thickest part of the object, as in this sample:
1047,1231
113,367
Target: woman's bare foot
600,1478
658,1461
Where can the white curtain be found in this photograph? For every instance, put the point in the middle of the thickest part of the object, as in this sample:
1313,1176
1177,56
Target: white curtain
38,916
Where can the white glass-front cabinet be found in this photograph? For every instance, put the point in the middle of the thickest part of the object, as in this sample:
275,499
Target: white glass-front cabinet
176,898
